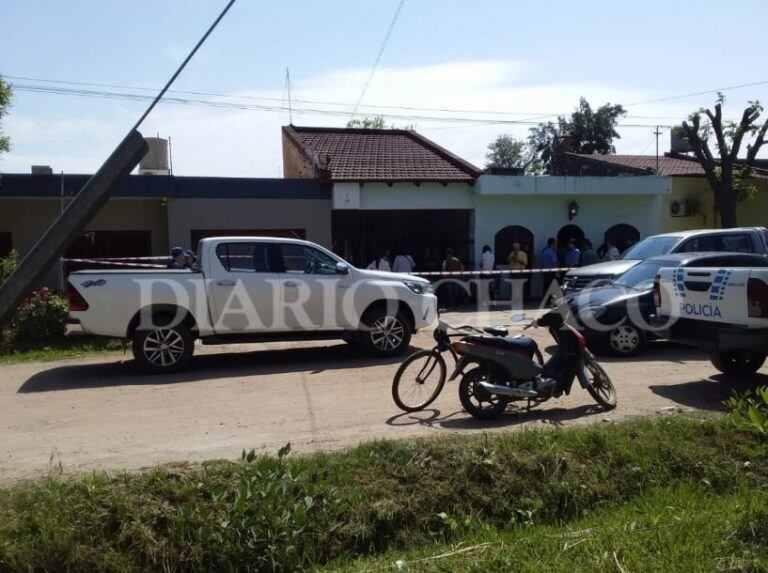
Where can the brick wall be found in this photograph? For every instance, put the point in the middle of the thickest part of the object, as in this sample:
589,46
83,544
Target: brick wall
295,164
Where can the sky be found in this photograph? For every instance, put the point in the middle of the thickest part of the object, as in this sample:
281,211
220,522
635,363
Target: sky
492,59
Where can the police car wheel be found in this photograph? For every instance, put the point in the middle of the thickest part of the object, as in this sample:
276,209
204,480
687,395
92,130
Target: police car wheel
737,362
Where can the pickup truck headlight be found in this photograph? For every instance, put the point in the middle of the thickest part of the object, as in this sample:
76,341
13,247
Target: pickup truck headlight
419,287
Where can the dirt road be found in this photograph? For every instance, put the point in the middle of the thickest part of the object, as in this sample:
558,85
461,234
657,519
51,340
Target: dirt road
99,413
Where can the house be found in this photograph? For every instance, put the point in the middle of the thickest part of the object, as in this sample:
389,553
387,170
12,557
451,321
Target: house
690,204
392,189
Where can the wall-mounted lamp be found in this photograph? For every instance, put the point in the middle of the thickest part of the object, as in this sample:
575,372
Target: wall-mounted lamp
573,209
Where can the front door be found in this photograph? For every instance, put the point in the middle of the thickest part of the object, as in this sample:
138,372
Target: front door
245,289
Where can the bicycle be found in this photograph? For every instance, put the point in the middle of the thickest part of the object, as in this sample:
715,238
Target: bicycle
412,393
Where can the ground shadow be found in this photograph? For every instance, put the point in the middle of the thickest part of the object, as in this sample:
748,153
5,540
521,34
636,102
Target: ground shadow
460,420
709,394
313,360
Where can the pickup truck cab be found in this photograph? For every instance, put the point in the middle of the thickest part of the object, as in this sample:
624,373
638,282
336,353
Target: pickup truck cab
723,310
739,240
250,289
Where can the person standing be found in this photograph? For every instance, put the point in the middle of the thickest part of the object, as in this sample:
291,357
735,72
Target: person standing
381,264
403,264
487,259
549,260
451,264
517,259
611,252
588,255
572,256
178,259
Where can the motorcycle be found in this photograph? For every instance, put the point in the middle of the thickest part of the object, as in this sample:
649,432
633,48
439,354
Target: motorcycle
504,369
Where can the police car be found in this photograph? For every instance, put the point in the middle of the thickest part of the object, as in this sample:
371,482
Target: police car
723,310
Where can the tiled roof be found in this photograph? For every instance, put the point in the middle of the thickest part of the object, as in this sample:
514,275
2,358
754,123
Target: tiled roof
646,164
380,155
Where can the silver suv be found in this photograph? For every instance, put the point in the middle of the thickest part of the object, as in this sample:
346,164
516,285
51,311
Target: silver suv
738,240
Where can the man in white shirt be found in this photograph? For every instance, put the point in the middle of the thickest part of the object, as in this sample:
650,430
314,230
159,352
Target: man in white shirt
403,264
611,252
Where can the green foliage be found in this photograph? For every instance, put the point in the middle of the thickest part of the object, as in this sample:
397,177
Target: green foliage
6,94
591,131
275,513
376,123
750,412
60,348
39,316
8,264
510,153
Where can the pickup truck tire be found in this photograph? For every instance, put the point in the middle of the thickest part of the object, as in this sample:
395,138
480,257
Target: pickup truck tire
164,349
385,333
626,340
737,362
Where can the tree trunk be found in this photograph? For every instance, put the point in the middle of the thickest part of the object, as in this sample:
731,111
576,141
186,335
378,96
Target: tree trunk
726,206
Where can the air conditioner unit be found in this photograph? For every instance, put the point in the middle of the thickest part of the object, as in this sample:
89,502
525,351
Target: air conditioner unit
681,208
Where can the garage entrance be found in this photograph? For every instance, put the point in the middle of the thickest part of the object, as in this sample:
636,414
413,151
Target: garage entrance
361,236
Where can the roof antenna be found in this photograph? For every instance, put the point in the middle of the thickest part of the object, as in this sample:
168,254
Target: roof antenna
288,91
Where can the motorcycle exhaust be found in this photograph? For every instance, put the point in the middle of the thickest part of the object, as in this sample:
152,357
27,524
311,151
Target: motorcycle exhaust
508,390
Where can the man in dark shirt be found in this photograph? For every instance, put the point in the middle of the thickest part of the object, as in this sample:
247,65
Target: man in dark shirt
178,258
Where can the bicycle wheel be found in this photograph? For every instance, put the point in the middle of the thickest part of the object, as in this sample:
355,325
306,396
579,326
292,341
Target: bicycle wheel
419,380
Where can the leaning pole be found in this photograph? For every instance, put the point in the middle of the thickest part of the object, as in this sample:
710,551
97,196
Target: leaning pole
71,223
88,201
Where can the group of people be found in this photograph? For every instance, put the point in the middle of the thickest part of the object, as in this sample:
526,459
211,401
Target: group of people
181,258
402,263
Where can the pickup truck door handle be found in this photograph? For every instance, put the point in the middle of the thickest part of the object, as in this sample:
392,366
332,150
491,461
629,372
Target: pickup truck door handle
290,284
226,283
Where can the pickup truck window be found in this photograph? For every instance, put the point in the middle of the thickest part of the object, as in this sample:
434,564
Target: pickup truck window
244,257
731,243
300,259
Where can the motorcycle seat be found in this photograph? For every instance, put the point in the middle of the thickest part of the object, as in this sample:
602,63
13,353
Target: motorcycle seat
521,342
496,330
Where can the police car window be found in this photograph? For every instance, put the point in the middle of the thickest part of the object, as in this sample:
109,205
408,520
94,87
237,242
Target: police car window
737,243
244,257
300,259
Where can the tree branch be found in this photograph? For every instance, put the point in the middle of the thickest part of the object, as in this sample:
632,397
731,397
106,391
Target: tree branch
753,149
717,126
702,152
746,119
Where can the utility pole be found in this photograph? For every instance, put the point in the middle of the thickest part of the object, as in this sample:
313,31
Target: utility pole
657,133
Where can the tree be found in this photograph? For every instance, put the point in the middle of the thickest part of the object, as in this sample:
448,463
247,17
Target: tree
726,173
367,123
510,153
376,123
6,93
590,132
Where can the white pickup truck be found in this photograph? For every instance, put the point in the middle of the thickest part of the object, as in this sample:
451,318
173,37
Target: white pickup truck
721,310
246,289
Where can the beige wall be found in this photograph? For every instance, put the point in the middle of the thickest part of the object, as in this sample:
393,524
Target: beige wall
28,218
314,215
751,212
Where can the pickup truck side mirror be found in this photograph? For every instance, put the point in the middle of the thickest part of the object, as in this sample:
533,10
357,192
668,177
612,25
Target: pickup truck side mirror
342,268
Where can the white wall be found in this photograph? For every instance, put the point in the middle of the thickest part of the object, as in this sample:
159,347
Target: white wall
576,186
379,196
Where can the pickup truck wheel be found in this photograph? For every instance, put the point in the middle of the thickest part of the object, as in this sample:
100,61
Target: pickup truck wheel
163,349
384,333
626,340
737,363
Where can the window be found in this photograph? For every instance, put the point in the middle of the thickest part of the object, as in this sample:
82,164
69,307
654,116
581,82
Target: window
104,244
245,257
6,244
729,243
650,247
300,259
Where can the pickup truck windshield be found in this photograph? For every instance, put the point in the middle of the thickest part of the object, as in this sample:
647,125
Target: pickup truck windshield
651,247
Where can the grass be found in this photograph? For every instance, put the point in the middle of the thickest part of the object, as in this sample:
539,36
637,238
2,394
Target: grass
676,479
56,349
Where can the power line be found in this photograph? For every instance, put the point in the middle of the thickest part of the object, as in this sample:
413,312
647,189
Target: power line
280,108
378,57
692,94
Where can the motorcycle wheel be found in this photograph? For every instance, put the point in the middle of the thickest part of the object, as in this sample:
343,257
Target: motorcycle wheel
597,382
478,402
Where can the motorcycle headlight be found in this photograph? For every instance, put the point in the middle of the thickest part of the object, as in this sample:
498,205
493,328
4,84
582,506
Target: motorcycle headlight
419,287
